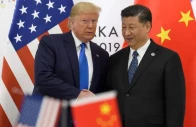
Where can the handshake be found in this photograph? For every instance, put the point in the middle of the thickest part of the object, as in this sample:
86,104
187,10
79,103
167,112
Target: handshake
85,93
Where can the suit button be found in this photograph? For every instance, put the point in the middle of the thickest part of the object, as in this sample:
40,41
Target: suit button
127,95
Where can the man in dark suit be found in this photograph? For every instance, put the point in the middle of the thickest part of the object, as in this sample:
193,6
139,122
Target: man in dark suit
57,70
70,65
148,77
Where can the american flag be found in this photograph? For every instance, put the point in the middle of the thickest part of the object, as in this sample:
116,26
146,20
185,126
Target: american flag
39,111
32,19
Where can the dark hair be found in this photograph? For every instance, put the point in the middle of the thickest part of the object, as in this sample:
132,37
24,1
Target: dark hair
143,13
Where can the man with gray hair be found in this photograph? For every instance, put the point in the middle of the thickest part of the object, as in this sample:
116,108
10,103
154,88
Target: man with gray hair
70,65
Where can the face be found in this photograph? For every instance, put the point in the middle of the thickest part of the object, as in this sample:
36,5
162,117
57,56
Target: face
134,32
84,26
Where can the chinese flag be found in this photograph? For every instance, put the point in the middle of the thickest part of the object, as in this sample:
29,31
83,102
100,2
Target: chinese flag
98,111
174,27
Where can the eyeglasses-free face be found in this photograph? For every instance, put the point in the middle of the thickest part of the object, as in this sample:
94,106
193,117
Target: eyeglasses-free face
84,26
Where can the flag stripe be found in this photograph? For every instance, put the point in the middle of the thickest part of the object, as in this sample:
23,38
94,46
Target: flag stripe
48,112
18,69
54,114
64,25
12,85
4,122
55,30
33,47
59,111
27,60
7,103
46,33
21,125
51,113
43,114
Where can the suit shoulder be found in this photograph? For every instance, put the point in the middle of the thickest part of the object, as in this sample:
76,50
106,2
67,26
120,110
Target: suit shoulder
52,37
120,53
168,51
52,40
99,49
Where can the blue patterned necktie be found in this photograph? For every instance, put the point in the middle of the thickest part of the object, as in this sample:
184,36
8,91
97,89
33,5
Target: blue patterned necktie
83,65
133,66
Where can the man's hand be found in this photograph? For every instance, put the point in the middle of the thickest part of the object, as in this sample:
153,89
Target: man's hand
85,93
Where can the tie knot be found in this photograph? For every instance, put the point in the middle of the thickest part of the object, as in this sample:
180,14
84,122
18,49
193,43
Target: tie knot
135,53
83,45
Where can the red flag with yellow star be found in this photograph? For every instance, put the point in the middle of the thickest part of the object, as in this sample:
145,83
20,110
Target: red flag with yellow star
174,27
98,111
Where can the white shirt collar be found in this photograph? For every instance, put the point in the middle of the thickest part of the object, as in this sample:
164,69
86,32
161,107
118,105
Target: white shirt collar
141,51
78,42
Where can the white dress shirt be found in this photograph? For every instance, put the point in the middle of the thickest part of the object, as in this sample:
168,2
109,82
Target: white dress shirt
141,51
88,56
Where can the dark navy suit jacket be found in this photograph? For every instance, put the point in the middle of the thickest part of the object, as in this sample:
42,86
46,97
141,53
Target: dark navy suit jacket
57,67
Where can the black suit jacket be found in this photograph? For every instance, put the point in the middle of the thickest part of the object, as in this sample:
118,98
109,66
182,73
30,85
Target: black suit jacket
57,67
156,95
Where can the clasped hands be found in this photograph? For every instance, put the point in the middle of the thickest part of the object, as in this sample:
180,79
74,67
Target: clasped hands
85,93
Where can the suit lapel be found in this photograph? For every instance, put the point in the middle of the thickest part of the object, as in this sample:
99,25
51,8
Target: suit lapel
96,66
146,60
123,73
73,57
